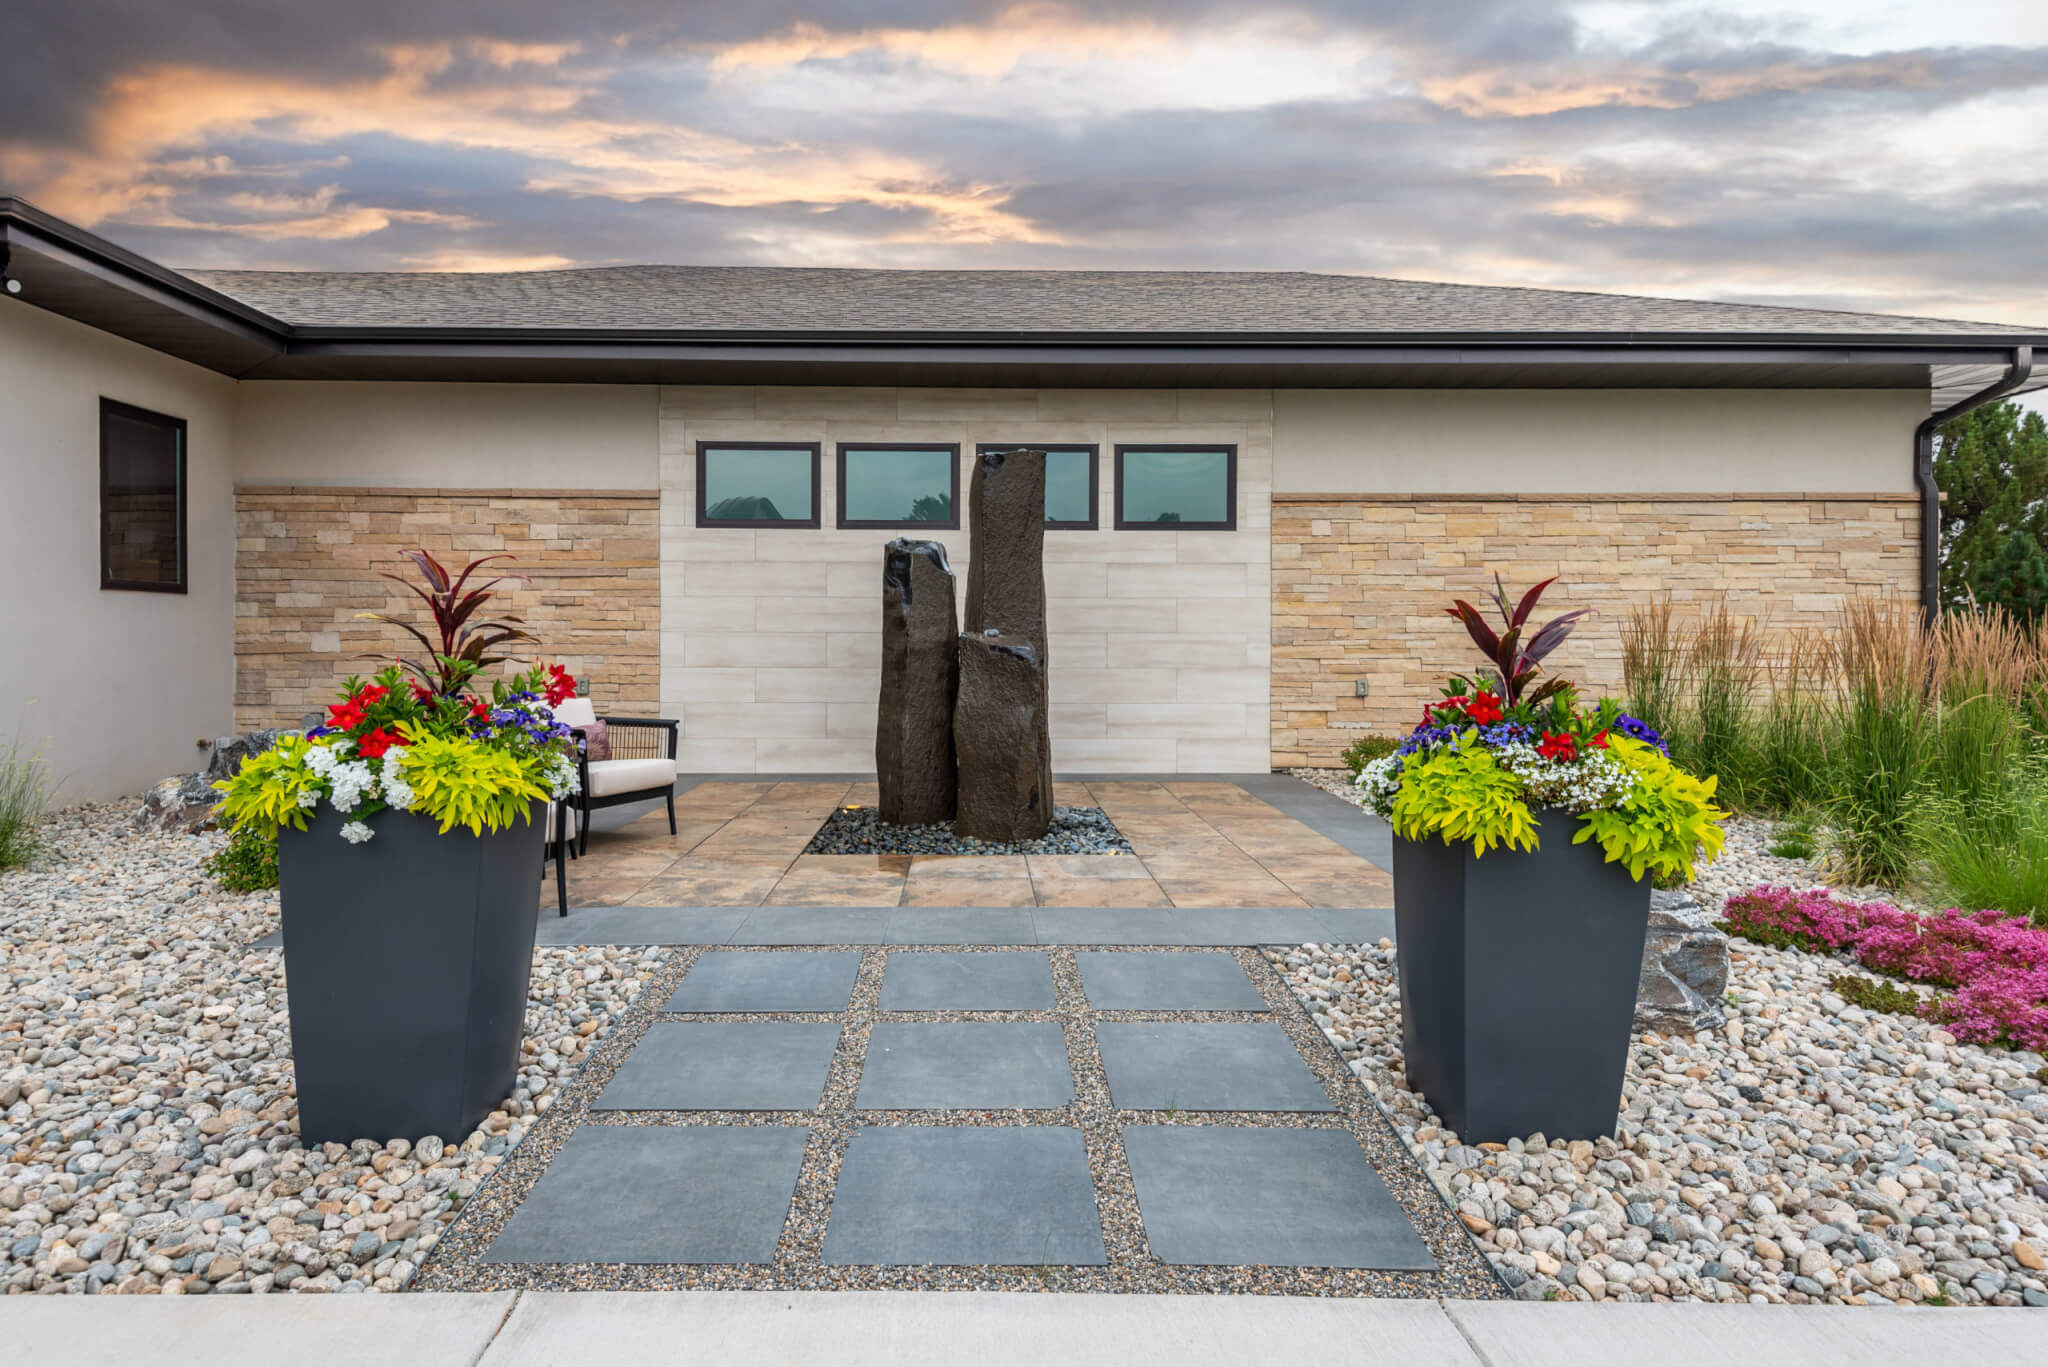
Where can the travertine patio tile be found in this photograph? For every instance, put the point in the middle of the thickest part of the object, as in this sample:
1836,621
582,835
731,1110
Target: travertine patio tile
1221,892
843,880
709,885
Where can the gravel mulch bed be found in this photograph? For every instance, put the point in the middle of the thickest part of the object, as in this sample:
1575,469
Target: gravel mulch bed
148,1128
861,830
458,1263
1808,1151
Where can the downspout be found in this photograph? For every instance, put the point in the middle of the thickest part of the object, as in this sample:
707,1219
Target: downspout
2016,374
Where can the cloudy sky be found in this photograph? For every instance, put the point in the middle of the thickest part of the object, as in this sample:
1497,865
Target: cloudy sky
1889,155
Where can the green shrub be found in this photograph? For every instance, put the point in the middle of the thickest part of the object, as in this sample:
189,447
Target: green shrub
1724,661
1990,850
24,792
247,863
1874,995
1793,839
1366,749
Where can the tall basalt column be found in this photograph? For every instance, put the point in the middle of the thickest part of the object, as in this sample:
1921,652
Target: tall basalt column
914,763
998,729
1001,722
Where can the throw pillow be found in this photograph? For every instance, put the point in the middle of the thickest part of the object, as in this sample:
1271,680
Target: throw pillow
597,741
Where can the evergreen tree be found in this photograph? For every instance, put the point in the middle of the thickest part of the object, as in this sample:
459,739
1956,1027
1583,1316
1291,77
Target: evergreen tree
2016,578
1992,466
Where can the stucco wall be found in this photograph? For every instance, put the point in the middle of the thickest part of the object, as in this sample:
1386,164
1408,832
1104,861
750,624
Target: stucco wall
114,686
1371,441
449,436
1160,640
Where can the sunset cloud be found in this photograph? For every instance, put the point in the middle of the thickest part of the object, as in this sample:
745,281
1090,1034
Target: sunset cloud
1816,152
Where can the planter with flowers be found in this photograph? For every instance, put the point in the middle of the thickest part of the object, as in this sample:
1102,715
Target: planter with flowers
1527,831
409,840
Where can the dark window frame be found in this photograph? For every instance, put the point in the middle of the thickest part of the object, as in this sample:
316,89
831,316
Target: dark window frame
1229,523
1094,522
149,417
813,523
952,448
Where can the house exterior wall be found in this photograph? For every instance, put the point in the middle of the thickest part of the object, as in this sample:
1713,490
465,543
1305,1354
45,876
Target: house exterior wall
383,434
1390,503
113,686
1160,640
1549,441
308,562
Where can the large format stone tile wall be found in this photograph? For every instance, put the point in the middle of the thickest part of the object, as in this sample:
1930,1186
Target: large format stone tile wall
1360,583
1160,640
307,561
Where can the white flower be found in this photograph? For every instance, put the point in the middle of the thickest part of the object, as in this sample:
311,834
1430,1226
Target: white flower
321,759
397,792
355,832
309,799
1378,781
563,778
350,782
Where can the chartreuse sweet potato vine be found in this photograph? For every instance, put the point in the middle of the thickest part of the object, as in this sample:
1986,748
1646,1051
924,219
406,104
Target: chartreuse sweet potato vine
1459,793
459,784
271,789
1666,819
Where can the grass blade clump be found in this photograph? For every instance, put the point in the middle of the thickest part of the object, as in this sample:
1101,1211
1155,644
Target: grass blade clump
1882,739
24,793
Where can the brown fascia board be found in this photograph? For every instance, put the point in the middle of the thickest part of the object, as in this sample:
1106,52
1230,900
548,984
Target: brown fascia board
84,276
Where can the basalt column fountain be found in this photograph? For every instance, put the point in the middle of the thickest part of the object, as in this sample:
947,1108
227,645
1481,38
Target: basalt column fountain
914,762
962,732
1001,717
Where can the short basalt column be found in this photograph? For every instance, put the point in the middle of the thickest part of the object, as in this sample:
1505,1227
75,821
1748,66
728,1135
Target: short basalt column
1005,793
914,764
999,727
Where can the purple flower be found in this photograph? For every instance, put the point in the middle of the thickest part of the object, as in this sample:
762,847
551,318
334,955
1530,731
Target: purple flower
1640,730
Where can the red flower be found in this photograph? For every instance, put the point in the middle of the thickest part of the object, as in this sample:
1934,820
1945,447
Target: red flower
420,692
560,686
345,716
1601,740
377,742
1484,709
1558,746
371,694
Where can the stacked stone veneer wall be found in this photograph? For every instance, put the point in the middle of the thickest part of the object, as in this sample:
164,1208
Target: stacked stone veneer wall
1360,583
308,560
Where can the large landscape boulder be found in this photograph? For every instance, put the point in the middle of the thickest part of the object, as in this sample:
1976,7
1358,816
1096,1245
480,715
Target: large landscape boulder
185,803
1685,968
1005,781
914,763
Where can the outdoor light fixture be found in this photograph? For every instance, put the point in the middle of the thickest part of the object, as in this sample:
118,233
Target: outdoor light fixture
13,285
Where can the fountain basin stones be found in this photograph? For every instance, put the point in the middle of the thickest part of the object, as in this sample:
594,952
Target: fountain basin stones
861,830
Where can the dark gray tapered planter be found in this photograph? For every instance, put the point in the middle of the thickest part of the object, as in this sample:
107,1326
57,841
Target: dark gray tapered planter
1518,982
406,963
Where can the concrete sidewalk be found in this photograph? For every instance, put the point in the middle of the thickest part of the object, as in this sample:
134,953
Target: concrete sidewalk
856,1329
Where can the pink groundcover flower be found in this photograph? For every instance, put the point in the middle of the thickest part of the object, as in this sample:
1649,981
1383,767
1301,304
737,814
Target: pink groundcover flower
1997,963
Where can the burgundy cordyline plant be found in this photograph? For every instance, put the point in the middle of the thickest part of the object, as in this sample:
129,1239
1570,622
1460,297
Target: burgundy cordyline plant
1515,661
1996,963
460,654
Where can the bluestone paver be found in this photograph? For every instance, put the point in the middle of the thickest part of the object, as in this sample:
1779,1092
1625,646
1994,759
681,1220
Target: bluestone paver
1006,980
965,1065
1206,1066
659,1194
1235,1197
1196,981
737,980
724,1066
953,1196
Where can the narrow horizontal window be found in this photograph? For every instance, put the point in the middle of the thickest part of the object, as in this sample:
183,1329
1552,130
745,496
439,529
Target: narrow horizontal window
1176,488
1070,473
142,499
757,484
912,486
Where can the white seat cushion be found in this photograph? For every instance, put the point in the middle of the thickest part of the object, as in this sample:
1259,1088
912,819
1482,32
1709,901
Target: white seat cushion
575,712
609,776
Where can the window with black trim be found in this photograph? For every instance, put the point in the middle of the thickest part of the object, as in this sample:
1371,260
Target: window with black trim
142,499
757,484
901,484
1176,488
1070,477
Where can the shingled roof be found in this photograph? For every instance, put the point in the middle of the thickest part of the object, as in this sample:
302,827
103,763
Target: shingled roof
750,299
